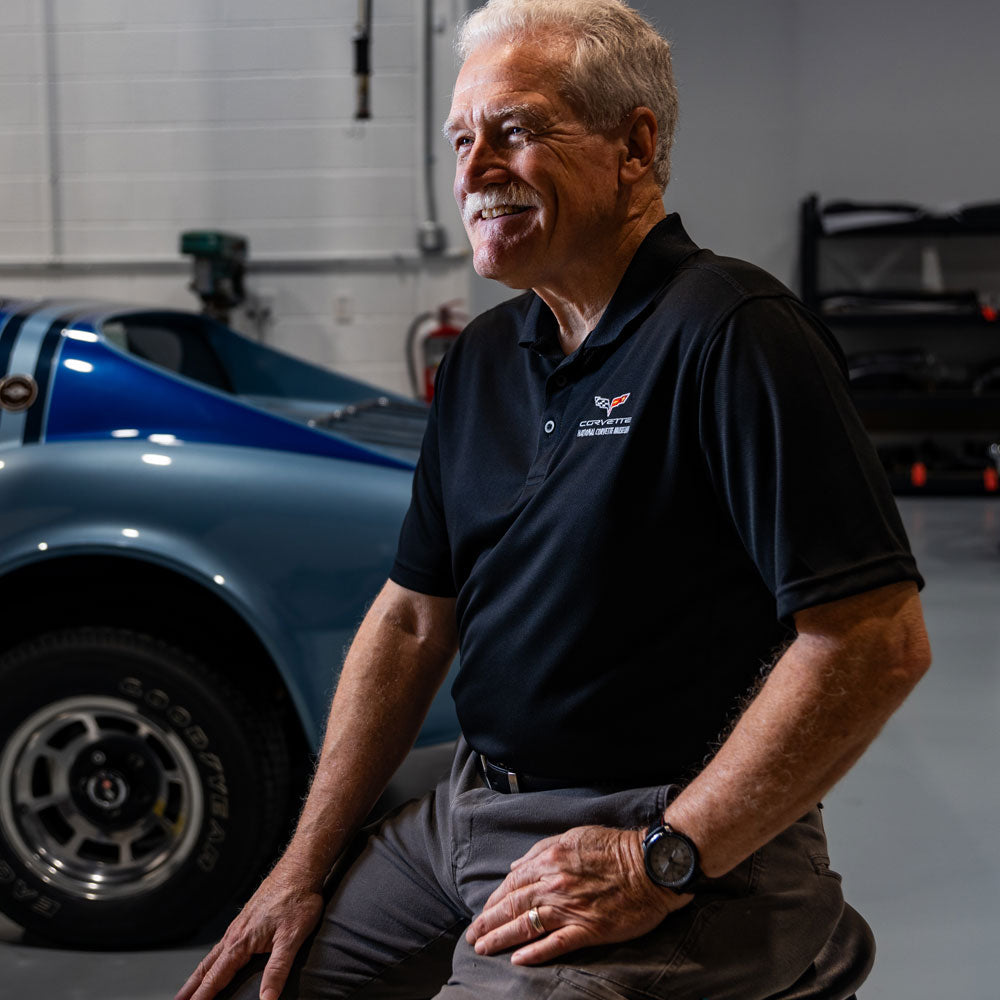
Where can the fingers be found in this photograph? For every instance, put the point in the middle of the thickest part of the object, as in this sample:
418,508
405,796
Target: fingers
509,915
511,884
220,972
516,931
276,920
560,942
216,970
504,922
279,965
276,973
194,980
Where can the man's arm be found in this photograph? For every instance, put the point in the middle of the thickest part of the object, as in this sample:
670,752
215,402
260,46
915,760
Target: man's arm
851,666
395,665
849,669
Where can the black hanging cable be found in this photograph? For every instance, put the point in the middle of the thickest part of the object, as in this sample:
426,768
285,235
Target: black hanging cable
362,58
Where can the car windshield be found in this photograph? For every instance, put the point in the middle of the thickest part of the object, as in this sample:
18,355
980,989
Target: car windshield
176,343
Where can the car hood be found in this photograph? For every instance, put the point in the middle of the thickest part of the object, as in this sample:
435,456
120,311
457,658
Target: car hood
382,423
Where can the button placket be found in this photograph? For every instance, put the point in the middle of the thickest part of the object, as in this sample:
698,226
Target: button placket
557,401
557,398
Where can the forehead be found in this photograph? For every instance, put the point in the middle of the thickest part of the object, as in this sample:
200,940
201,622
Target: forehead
509,74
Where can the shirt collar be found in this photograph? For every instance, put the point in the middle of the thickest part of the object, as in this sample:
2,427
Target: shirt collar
661,252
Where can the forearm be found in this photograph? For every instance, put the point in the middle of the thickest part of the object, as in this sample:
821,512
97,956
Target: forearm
394,667
822,705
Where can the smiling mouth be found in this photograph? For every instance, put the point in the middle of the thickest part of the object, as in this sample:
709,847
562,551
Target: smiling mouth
499,210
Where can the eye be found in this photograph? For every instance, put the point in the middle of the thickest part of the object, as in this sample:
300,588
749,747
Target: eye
461,142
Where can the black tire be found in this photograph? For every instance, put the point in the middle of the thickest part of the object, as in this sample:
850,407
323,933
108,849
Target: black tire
139,792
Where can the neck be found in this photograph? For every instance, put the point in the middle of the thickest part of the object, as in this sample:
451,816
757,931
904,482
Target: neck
578,300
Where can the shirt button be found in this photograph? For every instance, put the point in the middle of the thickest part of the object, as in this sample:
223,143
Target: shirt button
561,381
550,426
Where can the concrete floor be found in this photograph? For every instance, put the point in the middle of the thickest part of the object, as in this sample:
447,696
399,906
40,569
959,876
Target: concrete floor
912,828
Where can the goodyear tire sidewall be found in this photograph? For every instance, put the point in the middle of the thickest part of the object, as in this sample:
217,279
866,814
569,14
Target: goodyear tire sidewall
163,687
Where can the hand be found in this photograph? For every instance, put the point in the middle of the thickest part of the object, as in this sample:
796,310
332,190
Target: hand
589,887
279,916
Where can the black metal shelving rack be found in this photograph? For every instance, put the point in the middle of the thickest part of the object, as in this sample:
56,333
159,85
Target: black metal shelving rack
935,439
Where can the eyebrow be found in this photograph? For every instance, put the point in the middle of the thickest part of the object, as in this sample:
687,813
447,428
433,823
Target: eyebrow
527,113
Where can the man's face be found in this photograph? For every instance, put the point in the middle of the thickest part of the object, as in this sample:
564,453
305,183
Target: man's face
536,188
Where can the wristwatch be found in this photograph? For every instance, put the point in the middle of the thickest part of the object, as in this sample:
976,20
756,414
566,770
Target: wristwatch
671,858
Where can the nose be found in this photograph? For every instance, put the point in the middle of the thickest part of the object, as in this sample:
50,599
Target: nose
481,165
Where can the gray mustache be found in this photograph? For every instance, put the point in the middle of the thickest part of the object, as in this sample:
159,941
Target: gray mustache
492,197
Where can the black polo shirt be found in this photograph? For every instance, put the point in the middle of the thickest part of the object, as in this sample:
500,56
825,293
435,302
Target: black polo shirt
630,529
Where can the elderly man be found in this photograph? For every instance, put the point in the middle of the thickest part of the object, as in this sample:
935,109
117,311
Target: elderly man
642,481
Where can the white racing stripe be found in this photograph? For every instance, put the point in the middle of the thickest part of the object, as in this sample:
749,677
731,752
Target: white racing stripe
24,360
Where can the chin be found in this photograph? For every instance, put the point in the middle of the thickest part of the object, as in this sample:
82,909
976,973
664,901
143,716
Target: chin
495,268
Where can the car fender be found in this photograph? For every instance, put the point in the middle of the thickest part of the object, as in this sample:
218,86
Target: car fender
324,533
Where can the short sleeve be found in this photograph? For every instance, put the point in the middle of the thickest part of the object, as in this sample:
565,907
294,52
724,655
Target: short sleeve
423,555
791,461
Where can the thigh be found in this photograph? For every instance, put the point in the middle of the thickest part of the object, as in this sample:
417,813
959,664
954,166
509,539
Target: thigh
754,934
389,928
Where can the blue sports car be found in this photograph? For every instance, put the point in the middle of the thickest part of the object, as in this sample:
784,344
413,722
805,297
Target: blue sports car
191,526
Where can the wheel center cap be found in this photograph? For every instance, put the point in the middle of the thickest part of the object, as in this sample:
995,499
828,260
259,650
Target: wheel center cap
107,790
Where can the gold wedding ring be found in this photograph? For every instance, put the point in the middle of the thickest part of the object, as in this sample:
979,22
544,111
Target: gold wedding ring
535,920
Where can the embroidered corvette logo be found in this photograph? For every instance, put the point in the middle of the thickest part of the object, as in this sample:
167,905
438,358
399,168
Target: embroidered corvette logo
609,404
609,425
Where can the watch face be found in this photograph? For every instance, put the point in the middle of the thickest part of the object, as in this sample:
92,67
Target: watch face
670,859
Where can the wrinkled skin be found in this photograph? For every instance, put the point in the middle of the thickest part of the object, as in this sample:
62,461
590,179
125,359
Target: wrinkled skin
278,918
589,886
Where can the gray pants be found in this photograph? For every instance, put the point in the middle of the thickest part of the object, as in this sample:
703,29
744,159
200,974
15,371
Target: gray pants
394,926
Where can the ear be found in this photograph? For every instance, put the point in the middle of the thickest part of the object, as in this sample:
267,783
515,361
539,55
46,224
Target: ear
639,131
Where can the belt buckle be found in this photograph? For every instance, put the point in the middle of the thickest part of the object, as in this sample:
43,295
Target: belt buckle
512,785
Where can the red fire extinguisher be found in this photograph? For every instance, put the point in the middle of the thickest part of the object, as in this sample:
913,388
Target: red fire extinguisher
431,345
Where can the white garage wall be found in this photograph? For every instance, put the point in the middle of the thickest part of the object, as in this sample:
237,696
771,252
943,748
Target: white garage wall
232,114
174,114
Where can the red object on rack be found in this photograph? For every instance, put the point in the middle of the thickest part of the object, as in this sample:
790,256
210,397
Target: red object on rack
918,474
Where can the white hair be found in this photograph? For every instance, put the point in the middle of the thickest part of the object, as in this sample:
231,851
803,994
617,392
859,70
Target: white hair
617,60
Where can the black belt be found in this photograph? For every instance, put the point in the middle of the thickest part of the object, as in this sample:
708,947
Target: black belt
500,778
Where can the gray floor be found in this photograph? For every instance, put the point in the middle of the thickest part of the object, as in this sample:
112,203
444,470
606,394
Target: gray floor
913,827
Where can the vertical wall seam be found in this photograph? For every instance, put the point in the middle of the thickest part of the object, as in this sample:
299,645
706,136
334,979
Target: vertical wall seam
51,112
